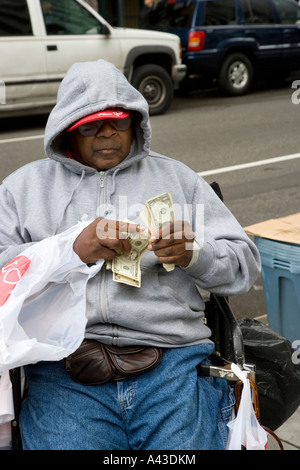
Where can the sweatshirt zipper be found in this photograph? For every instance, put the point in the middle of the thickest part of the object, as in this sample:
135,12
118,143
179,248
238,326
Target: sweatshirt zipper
101,198
103,276
102,177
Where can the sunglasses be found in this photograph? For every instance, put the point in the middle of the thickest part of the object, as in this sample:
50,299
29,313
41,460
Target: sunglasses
90,129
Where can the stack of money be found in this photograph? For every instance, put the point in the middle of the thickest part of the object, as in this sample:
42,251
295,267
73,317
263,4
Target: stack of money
126,269
158,211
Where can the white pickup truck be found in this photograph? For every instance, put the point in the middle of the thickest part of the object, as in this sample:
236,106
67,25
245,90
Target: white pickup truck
40,39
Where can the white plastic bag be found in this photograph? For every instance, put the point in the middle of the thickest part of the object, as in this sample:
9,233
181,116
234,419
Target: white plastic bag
5,436
7,413
245,429
42,310
6,400
43,302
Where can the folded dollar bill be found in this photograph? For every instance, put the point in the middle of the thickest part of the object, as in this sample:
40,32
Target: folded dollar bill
157,212
126,269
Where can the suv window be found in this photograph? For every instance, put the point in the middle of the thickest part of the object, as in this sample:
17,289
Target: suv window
219,13
68,17
170,17
288,13
258,12
14,18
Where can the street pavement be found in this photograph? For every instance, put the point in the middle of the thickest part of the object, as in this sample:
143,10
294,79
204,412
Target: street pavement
289,432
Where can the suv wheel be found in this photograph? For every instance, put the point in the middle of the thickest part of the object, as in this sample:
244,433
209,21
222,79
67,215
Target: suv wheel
155,84
236,74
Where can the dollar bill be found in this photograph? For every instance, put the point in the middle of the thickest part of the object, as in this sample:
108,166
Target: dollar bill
126,268
157,212
126,280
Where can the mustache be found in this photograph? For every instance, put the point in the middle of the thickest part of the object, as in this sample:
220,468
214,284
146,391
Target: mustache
108,146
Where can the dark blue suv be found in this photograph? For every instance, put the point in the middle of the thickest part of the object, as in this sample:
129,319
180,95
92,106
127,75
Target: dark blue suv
232,40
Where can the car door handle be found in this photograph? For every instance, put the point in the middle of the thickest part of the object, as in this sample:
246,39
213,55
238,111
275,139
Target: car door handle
52,47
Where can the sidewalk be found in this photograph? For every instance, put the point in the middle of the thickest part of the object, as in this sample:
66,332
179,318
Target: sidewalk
289,432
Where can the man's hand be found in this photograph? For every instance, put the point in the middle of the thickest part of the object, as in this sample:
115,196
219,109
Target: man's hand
173,243
104,239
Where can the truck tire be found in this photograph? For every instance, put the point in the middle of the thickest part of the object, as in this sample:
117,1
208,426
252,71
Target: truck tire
236,75
156,85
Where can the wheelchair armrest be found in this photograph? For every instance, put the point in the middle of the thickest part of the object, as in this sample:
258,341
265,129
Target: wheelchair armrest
225,372
226,332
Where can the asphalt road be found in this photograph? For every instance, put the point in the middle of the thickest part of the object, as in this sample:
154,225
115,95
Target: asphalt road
210,133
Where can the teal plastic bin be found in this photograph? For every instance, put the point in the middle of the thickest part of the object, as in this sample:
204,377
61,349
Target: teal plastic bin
281,284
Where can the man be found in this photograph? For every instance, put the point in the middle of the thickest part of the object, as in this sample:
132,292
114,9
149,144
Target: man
99,167
148,4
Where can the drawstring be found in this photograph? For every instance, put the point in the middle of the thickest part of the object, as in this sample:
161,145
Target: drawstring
133,152
69,202
113,182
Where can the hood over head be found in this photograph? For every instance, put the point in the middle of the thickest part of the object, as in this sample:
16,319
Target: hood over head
90,87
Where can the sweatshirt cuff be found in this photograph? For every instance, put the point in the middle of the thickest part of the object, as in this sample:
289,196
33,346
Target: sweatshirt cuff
196,252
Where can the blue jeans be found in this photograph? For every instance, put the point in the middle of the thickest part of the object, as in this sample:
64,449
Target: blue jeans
167,408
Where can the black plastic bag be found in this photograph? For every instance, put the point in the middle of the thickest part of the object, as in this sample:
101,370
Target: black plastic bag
277,377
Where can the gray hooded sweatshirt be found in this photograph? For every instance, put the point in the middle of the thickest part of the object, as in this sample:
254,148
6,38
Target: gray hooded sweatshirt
49,196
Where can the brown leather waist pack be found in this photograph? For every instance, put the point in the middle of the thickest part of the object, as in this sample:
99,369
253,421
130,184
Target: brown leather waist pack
94,363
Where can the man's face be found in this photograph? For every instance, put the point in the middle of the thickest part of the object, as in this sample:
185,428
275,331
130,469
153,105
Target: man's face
103,151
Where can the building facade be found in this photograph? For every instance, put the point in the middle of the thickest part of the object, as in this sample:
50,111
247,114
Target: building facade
119,12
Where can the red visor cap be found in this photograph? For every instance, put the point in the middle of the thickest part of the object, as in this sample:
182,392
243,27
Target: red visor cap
101,115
